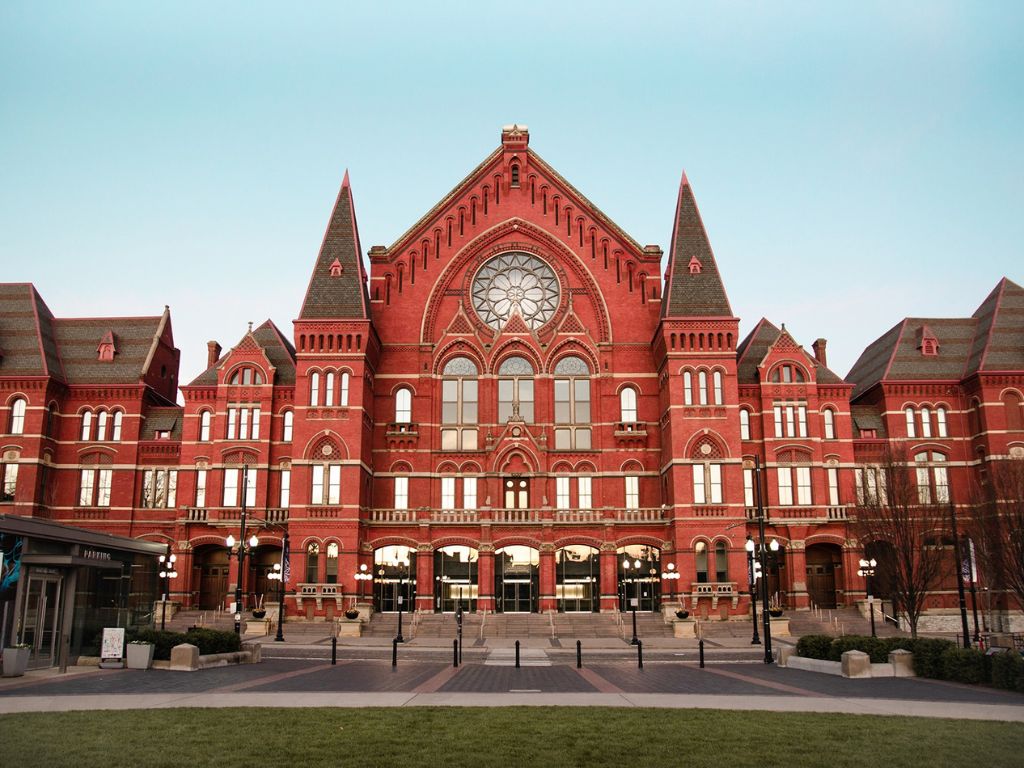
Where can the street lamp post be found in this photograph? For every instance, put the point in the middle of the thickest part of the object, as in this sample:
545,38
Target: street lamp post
634,601
168,571
763,557
243,548
867,570
752,581
403,565
362,576
279,574
671,575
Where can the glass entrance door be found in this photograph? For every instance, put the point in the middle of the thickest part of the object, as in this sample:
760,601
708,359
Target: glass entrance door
394,582
41,619
516,579
455,579
576,579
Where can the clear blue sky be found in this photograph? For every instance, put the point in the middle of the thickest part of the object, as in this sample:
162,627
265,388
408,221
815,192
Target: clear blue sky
854,163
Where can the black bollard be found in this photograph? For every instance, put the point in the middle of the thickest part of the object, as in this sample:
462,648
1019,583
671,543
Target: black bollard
579,654
334,650
640,654
455,653
394,652
700,646
517,654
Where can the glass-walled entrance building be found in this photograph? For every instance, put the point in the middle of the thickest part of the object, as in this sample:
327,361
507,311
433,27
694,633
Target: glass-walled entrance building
455,579
577,579
394,579
639,579
516,579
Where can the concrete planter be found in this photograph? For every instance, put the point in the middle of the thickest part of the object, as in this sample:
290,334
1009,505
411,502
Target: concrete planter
139,655
15,661
686,628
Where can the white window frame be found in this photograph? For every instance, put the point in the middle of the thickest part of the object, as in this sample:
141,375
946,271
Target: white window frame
18,410
448,493
632,492
940,422
285,497
748,488
314,389
401,492
403,406
86,433
205,420
343,393
785,479
116,431
562,500
201,478
584,492
744,424
716,382
469,493
687,388
628,405
829,421
833,485
702,387
329,389
289,424
911,427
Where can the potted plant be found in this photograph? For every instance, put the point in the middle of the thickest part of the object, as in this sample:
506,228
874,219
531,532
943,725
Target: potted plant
259,612
774,610
682,613
16,659
352,614
139,654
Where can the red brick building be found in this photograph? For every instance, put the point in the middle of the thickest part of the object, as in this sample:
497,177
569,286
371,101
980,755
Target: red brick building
514,411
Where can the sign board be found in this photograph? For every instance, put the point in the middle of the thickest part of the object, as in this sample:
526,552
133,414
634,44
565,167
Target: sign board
633,602
112,648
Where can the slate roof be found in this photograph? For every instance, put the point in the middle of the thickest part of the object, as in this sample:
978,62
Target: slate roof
344,296
162,420
701,294
990,340
35,343
278,349
867,417
752,350
26,333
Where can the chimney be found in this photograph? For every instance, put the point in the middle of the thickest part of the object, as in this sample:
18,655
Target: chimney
212,353
819,351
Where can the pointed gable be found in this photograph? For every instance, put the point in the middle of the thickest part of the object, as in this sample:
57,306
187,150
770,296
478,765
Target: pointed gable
999,339
695,285
268,340
27,336
337,289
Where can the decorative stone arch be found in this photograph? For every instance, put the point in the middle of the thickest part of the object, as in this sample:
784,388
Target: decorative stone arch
529,239
631,384
455,541
237,455
337,448
829,538
632,465
695,540
246,364
205,540
458,348
471,468
447,465
514,348
639,538
562,467
517,539
578,540
402,385
806,454
572,348
390,540
400,466
585,466
158,537
505,458
108,453
710,437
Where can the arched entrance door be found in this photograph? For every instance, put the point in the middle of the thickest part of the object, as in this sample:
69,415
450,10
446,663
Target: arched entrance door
577,579
516,579
822,562
264,590
639,567
212,574
394,579
455,578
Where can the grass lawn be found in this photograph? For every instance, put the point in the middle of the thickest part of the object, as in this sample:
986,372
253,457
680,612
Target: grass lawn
506,737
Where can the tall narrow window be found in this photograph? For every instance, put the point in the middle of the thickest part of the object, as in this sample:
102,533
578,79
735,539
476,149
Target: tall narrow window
329,389
833,486
701,562
243,424
86,425
778,421
469,493
344,388
104,479
515,390
118,417
286,488
940,421
447,493
331,571
204,426
748,488
829,420
562,492
88,478
803,485
632,492
255,423
10,482
909,413
717,383
230,497
584,492
702,385
627,405
200,487
232,423
721,562
926,422
286,432
687,388
707,483
18,408
802,421
401,493
459,405
334,484
932,478
314,389
101,425
572,404
785,486
744,424
313,562
403,406
317,489
790,419
250,488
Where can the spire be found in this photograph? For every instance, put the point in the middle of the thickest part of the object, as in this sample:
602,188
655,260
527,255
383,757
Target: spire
337,287
694,285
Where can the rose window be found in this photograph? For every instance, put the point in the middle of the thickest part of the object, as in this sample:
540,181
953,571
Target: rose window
519,283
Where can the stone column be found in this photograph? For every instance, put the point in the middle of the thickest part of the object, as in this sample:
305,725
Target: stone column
796,565
547,600
424,578
485,578
609,579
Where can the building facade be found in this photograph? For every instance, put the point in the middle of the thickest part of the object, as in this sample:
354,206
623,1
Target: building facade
515,410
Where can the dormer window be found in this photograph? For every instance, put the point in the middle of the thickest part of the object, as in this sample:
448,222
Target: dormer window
695,265
246,377
105,351
336,268
927,341
929,347
787,374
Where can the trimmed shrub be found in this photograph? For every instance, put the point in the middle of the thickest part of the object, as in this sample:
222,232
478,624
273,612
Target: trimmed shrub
963,665
928,656
814,646
877,648
213,640
163,641
1007,670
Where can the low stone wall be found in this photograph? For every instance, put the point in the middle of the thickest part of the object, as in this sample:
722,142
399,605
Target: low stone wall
855,664
186,657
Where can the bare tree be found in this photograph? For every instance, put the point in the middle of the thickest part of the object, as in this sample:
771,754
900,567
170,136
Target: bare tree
894,507
998,528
